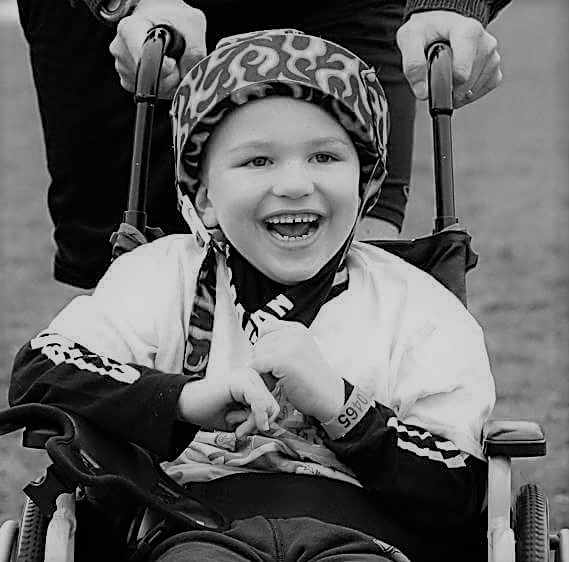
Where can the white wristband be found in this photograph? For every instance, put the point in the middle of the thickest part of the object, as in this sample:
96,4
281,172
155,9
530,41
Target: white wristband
350,415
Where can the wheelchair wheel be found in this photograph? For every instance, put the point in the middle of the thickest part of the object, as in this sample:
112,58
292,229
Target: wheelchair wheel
33,527
531,525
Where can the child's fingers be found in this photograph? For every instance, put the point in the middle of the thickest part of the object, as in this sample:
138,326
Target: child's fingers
257,421
235,417
249,389
274,411
264,412
260,411
248,427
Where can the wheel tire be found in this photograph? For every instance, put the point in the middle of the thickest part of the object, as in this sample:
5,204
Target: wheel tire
531,525
33,527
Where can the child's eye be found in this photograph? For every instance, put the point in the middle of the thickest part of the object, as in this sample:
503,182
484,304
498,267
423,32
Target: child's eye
323,158
257,162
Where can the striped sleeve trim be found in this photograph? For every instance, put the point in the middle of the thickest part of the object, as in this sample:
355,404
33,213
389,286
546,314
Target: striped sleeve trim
424,444
61,350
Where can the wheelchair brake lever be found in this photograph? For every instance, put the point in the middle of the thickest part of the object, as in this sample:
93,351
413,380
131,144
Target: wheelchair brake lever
45,492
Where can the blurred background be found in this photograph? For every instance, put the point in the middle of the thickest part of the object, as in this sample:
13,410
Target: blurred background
512,175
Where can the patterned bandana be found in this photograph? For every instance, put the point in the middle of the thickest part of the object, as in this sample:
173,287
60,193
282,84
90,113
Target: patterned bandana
257,298
244,68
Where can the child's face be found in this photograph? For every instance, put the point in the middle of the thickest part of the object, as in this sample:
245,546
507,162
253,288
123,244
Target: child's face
281,179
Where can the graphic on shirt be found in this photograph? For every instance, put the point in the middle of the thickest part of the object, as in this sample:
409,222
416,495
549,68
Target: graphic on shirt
250,322
61,350
423,444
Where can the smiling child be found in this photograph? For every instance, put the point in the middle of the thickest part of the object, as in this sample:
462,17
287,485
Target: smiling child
313,388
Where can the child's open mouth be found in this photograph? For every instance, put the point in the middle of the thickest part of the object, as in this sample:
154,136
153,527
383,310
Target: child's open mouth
293,227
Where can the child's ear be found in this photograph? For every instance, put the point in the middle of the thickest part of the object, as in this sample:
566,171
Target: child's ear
205,207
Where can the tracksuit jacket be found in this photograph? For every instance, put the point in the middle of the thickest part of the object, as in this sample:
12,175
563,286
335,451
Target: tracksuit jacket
116,357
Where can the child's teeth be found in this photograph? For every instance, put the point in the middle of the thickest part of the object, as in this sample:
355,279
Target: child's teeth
292,218
284,237
294,226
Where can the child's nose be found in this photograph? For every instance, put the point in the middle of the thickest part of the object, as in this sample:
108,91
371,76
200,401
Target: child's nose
294,181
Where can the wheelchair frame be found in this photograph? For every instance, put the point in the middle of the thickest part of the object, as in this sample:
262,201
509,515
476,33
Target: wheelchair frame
523,538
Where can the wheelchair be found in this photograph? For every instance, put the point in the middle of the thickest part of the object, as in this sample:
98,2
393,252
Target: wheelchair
92,472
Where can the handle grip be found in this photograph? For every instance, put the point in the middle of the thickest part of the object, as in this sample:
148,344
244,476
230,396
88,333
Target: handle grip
439,81
439,57
174,42
161,41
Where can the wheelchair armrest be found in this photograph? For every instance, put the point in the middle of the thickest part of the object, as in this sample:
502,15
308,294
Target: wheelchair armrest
36,437
89,457
513,439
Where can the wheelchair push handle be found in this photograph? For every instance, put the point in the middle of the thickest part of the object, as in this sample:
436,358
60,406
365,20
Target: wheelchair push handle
439,80
439,57
161,41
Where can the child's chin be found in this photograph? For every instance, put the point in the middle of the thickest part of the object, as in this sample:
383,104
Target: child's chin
290,268
291,277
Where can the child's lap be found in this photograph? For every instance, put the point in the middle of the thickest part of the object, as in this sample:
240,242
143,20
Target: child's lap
257,539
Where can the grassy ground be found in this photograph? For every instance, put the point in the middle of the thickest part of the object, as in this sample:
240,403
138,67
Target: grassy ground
512,173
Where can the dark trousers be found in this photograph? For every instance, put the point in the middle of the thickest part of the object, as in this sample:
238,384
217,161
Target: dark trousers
88,119
257,539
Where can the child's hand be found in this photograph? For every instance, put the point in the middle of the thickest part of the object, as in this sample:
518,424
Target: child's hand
288,352
243,401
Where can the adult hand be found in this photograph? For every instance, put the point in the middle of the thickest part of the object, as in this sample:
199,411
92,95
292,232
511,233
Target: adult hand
126,47
476,61
287,352
242,403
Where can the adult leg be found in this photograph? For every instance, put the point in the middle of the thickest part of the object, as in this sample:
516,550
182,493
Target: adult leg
88,120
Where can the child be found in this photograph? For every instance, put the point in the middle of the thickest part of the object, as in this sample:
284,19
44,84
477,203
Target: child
325,395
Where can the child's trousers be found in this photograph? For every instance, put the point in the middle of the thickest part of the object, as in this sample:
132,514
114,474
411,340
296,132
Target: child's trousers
257,539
